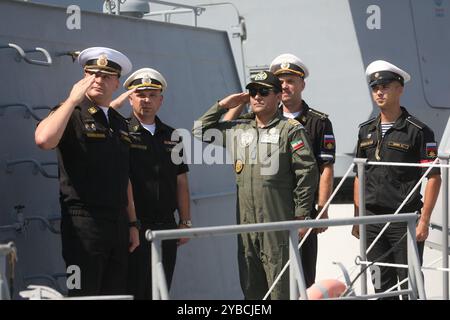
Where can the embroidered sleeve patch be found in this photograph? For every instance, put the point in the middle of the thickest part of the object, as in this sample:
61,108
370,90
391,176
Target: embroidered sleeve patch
297,145
431,149
329,141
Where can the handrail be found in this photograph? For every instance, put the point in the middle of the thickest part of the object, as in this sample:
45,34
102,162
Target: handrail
23,55
157,236
37,167
361,162
305,237
29,110
51,278
46,221
22,222
7,248
196,10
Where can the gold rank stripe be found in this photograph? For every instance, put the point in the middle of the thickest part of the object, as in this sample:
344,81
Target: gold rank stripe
301,74
126,138
95,135
138,146
366,143
157,86
170,142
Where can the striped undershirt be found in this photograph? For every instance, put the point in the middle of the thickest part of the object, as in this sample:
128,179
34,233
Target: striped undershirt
385,126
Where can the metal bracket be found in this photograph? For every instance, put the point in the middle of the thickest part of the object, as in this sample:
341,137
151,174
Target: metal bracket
37,167
347,279
73,54
29,110
23,54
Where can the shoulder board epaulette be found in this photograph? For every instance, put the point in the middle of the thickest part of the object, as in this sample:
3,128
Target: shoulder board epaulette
416,122
319,114
294,122
367,122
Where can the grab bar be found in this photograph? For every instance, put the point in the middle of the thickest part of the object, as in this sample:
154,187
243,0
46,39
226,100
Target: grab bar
37,167
29,110
23,54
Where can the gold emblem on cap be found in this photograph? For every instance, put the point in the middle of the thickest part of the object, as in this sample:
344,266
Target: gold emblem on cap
147,79
102,61
377,75
261,76
285,65
238,166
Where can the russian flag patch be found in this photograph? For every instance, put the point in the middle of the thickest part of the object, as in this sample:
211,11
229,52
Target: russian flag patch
431,149
329,141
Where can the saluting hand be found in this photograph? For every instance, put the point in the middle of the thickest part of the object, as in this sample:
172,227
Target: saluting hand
234,100
79,89
120,100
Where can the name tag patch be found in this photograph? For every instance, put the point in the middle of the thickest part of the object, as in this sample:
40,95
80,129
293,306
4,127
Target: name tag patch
398,145
95,135
366,143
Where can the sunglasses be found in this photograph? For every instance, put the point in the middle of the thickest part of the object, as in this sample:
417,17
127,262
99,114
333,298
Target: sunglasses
263,92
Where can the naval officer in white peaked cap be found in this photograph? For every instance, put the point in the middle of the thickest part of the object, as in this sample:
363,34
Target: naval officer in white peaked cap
289,63
382,72
292,72
394,135
104,60
145,79
158,177
93,146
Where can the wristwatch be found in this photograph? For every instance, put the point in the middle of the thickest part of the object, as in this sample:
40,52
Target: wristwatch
136,224
187,223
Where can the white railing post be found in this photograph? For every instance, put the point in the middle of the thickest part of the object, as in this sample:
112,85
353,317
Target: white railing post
361,163
443,159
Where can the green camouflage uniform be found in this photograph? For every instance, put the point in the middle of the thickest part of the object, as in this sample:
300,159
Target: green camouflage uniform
266,192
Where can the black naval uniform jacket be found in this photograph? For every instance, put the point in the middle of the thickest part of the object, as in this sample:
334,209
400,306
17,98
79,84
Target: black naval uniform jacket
320,133
408,140
153,174
93,156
